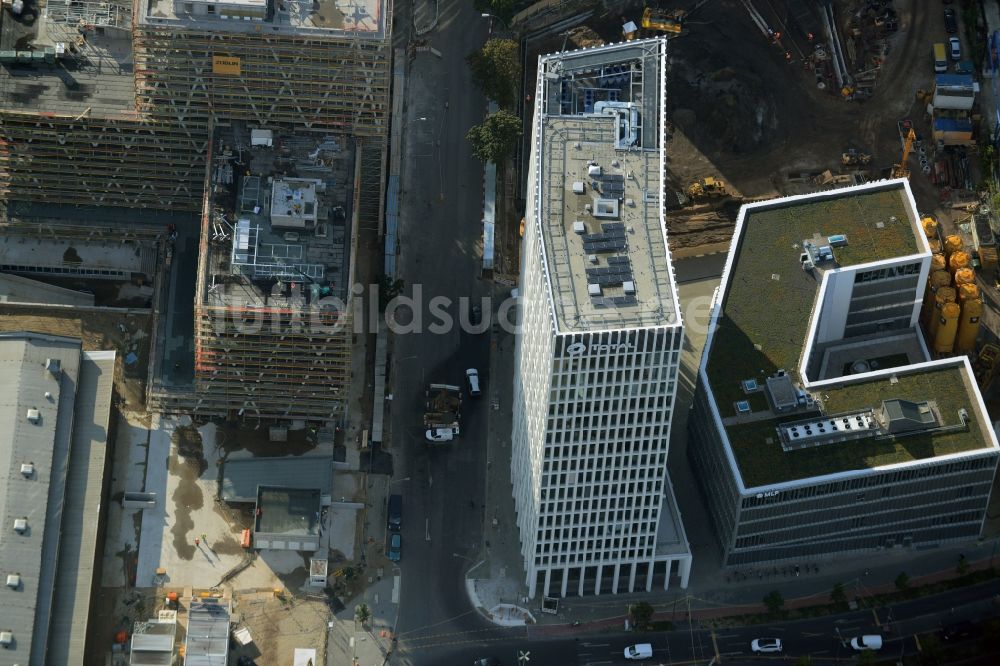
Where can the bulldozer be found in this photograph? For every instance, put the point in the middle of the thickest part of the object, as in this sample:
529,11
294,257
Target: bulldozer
707,187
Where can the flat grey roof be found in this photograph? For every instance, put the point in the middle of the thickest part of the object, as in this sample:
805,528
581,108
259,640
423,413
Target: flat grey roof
39,497
93,78
78,546
354,18
288,511
242,477
19,289
597,191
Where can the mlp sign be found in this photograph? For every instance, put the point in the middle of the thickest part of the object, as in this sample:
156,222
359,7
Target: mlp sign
226,65
578,348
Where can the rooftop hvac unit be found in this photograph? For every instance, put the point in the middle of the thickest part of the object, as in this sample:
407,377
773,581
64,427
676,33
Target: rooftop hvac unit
53,366
20,525
34,415
6,639
13,581
579,227
594,289
27,470
629,287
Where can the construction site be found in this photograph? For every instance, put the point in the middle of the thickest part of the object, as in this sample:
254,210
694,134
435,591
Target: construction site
277,248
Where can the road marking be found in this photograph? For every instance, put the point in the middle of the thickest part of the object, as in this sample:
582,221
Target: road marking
715,644
875,615
598,644
395,589
427,529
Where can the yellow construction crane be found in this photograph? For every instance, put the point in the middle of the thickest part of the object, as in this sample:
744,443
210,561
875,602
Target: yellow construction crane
901,170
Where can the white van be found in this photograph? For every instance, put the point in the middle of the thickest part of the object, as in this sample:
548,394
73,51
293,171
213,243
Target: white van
639,652
861,643
472,377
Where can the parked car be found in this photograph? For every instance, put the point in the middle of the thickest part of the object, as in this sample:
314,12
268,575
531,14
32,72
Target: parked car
950,22
764,645
440,435
472,377
861,643
639,652
395,512
395,547
955,47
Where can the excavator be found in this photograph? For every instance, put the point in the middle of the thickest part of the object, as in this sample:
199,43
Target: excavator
707,187
672,21
901,170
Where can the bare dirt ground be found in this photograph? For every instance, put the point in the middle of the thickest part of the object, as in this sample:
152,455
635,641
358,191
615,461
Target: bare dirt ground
123,333
279,624
736,110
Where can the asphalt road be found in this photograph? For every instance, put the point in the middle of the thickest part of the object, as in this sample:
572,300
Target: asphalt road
441,209
824,638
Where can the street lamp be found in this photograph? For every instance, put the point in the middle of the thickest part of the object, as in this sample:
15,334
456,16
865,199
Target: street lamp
494,16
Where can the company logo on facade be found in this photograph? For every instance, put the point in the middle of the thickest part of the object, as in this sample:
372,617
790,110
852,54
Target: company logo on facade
769,493
578,348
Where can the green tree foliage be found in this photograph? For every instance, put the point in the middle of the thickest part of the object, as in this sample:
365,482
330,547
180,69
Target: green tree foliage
362,613
866,658
902,581
496,70
931,650
963,566
495,138
774,601
804,660
641,613
838,595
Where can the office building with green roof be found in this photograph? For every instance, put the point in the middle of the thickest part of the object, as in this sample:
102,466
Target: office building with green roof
822,425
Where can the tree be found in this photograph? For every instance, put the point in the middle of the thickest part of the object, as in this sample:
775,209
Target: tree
931,650
804,660
963,566
496,70
774,601
838,595
902,581
641,613
495,138
362,613
866,658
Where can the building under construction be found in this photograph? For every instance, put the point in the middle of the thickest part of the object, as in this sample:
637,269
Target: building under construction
113,103
272,308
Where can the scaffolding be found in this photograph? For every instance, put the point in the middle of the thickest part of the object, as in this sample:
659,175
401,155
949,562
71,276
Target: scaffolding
151,151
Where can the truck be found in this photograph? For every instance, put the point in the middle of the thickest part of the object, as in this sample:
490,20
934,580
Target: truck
940,58
442,408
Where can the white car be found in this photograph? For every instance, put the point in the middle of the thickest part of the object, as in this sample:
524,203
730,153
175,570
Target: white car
764,645
861,643
440,435
955,47
639,652
472,377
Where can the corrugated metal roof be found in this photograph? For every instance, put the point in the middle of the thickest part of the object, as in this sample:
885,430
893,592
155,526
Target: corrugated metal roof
207,633
38,498
241,477
78,546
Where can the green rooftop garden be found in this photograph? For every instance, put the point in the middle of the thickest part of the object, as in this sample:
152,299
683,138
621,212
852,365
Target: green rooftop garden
769,297
762,460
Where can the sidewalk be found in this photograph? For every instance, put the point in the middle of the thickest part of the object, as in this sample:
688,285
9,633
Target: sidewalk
496,585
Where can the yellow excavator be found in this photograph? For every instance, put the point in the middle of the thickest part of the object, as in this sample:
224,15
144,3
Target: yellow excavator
663,21
901,170
707,187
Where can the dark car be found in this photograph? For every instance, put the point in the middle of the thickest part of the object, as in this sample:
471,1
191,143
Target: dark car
950,22
960,631
486,661
395,517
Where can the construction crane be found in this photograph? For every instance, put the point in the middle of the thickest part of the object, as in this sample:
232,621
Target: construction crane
901,170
